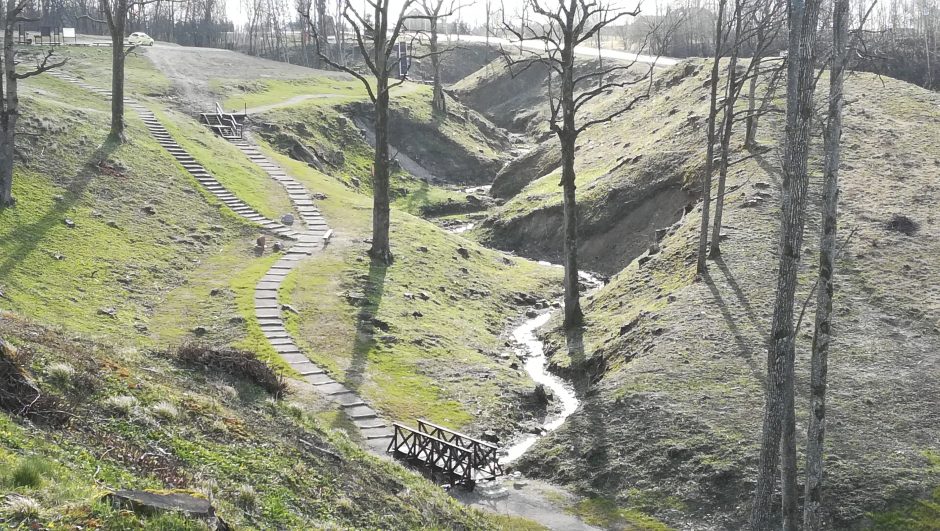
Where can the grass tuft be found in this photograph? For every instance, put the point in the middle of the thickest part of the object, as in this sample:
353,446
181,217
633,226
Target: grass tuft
30,472
121,405
60,372
21,507
165,411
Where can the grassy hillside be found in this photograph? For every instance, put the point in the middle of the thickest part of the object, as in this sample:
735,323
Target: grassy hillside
634,174
423,337
461,147
673,364
112,257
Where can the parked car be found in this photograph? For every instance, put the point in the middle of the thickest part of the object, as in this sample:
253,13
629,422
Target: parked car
139,38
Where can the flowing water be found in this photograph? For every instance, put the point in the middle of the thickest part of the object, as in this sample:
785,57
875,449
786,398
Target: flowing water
533,350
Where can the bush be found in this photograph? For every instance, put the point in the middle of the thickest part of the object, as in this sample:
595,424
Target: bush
239,363
121,405
21,507
246,497
60,372
164,410
19,393
29,472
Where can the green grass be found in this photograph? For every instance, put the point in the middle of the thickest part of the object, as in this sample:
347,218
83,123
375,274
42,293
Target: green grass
115,256
275,91
93,65
400,370
228,165
394,369
917,515
607,514
219,442
30,472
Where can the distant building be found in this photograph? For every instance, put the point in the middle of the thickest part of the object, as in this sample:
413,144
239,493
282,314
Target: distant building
416,24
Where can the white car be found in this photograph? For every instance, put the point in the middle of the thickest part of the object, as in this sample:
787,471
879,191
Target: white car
139,38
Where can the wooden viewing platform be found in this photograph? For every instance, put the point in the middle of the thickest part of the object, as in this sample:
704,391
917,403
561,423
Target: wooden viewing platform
460,458
228,125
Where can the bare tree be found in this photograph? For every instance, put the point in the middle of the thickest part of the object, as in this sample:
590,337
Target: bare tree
767,23
767,27
432,12
115,12
376,40
812,517
819,362
778,443
563,25
720,33
10,15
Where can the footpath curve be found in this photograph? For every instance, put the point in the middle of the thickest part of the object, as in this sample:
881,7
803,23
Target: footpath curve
375,431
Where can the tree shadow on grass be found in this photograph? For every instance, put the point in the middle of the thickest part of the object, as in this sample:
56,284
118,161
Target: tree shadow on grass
744,347
373,289
26,238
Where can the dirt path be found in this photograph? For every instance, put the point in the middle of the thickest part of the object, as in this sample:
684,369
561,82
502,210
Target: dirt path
191,69
289,102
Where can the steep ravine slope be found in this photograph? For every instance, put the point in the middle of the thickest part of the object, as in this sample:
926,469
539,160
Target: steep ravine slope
671,365
635,174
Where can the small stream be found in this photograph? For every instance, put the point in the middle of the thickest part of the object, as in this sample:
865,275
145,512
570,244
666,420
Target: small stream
533,351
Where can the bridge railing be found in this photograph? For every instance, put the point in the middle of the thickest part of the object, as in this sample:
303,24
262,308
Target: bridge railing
485,458
454,461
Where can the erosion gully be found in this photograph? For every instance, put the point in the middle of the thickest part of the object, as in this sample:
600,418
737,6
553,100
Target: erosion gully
532,350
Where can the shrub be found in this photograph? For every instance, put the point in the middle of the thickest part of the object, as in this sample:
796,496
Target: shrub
60,372
164,410
246,497
21,507
121,405
19,394
29,472
238,363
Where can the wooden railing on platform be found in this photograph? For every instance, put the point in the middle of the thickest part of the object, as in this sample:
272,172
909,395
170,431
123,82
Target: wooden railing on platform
225,124
485,458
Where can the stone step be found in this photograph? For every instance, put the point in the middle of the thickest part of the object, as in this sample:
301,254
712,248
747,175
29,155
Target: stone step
308,369
361,412
376,433
334,388
319,379
294,358
348,400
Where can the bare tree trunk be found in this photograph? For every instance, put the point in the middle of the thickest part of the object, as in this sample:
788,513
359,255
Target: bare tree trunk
731,96
568,137
116,14
10,15
816,433
710,148
117,88
438,100
381,216
750,135
778,441
321,28
9,111
574,317
6,169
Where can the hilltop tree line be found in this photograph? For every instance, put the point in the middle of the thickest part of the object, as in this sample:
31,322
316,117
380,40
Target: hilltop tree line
186,22
900,37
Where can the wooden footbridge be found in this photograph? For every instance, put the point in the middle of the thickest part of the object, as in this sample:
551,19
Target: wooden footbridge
461,459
